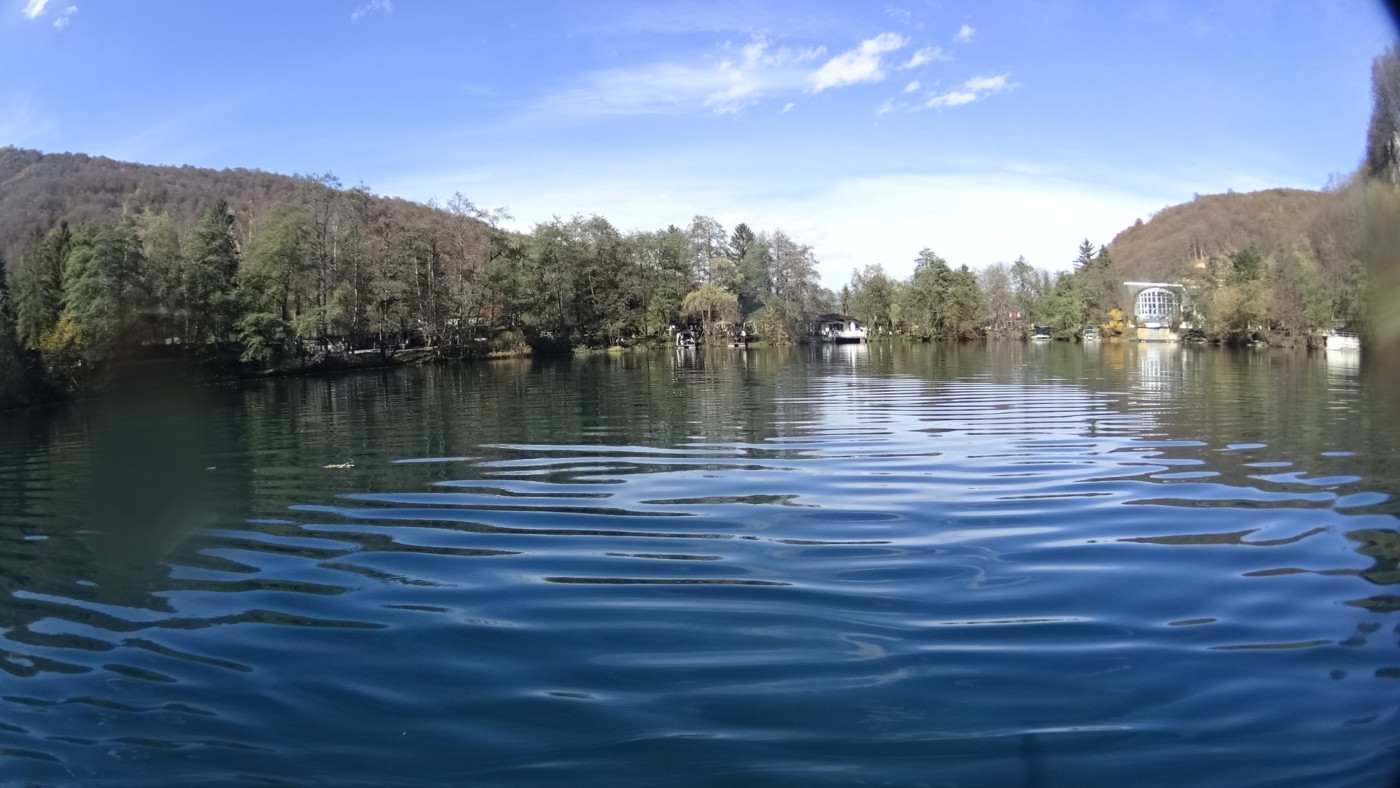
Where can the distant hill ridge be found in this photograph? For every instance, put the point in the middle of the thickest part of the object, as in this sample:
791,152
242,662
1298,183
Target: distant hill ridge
1220,224
41,189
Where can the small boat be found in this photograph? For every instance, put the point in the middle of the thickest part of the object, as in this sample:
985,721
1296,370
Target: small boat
1090,334
686,339
1342,340
1042,334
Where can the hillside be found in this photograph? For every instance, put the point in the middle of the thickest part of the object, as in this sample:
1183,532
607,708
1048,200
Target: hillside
1219,225
41,189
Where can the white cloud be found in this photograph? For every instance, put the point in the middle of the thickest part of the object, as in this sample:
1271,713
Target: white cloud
370,6
912,86
862,64
788,107
925,55
993,84
65,16
890,105
971,90
725,87
34,8
964,35
952,98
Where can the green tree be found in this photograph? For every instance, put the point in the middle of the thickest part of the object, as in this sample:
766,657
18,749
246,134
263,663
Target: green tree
14,378
939,301
740,242
755,275
794,276
165,270
712,305
1098,281
267,279
965,303
707,242
38,283
105,290
666,277
1063,306
773,324
210,277
1299,299
1245,266
1241,307
872,299
1085,257
585,282
1028,286
1350,296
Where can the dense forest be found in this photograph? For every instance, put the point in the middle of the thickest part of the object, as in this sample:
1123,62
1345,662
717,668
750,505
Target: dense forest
119,261
103,261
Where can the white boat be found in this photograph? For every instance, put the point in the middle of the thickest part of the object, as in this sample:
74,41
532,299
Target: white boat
1042,333
1342,340
1091,333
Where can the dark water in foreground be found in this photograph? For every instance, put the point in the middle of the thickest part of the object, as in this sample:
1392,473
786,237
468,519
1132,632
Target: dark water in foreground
1010,565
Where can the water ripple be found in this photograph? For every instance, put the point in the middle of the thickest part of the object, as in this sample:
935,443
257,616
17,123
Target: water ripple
698,578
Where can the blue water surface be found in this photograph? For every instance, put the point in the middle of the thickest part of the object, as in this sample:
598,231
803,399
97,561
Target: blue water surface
1005,564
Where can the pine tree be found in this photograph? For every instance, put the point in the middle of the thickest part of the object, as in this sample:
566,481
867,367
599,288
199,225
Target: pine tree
210,277
105,288
12,373
38,283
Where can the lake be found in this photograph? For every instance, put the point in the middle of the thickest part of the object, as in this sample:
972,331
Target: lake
1005,564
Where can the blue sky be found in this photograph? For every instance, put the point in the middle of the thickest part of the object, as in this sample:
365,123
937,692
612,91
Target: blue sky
869,130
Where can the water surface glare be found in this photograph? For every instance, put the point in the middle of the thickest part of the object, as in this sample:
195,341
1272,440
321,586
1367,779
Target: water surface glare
917,565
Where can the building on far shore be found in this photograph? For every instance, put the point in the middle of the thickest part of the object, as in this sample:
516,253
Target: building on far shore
1158,309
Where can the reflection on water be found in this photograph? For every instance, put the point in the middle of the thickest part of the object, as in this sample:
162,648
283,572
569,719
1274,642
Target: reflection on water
990,565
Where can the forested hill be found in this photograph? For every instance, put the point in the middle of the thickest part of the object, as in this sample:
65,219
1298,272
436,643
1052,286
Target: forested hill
1219,225
43,189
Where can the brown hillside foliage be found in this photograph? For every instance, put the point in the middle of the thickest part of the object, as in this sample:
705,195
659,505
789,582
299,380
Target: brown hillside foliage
41,189
1218,225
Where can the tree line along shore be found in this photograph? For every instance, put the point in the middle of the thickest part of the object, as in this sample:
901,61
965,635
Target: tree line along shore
250,273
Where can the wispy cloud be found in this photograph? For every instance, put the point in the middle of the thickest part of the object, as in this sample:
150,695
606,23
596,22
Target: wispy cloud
722,85
34,8
952,98
65,17
865,63
900,14
993,84
925,55
912,86
964,35
758,70
726,82
972,90
372,6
